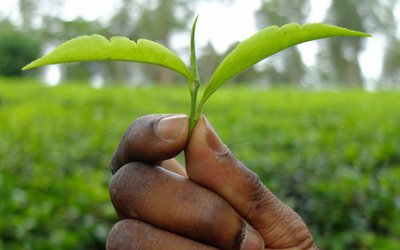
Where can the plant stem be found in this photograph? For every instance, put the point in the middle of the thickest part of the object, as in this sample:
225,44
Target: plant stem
194,86
194,116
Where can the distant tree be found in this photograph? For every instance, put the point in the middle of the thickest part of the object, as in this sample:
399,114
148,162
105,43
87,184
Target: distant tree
386,24
338,59
26,9
16,49
38,12
391,66
290,68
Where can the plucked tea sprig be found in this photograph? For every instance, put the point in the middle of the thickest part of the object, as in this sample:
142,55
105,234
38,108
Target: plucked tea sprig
260,46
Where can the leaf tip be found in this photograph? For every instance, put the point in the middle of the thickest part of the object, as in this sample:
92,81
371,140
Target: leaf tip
29,66
26,67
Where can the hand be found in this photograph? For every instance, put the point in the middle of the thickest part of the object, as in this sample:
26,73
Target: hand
216,203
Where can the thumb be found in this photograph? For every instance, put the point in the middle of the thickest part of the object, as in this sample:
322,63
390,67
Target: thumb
210,163
151,139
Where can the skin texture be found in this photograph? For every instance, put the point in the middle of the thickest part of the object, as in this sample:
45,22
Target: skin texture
215,203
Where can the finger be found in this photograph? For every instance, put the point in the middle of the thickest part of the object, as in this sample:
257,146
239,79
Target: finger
151,138
175,204
212,165
174,166
137,235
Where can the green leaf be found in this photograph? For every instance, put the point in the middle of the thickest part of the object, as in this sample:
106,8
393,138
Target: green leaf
96,47
267,42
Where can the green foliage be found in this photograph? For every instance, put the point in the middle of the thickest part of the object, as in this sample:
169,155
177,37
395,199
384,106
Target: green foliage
16,48
332,156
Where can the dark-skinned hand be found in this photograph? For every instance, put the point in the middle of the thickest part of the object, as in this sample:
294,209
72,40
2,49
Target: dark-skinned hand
215,203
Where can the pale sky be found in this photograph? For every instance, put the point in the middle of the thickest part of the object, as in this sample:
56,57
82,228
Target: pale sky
220,23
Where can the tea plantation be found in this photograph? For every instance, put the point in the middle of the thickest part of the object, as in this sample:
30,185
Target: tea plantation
332,156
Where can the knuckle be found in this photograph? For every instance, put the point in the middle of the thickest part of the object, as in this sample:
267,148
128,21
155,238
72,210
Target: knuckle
259,196
258,190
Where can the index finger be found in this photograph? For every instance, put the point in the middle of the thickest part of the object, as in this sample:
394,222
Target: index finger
151,139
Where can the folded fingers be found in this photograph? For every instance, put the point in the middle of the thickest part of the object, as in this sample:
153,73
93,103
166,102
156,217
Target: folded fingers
175,204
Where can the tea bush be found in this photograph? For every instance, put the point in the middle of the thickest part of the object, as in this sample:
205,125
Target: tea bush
333,156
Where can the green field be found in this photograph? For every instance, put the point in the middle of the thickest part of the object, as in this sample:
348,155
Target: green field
333,156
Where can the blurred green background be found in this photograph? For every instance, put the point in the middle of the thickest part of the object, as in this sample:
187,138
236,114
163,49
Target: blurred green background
324,136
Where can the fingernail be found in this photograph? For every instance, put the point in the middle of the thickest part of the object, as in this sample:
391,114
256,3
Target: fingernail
168,128
253,241
213,140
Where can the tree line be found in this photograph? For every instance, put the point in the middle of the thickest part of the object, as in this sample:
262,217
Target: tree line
337,62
